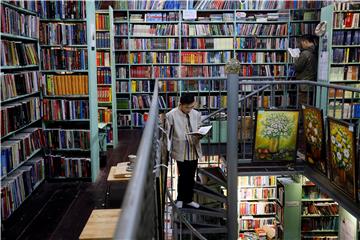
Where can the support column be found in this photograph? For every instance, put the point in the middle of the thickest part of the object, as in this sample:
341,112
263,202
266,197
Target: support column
93,97
232,154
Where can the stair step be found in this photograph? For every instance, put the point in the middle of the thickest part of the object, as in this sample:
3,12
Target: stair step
207,221
214,173
204,211
204,230
208,192
202,225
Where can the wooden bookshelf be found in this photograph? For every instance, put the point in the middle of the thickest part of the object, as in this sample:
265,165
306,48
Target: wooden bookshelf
21,141
68,90
342,46
142,33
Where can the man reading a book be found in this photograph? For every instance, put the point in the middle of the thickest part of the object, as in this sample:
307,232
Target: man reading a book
185,148
306,67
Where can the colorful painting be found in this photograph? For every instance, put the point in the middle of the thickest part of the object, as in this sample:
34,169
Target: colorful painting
314,138
276,135
342,155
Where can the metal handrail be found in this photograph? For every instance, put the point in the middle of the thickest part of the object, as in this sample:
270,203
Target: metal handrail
269,83
128,223
318,84
240,100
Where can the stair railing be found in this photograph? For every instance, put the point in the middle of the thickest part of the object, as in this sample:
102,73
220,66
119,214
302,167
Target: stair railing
138,218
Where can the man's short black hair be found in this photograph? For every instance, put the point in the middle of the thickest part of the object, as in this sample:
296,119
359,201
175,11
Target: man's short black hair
187,98
308,37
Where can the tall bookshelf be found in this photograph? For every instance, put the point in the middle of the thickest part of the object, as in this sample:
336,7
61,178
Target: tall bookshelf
258,33
67,47
22,162
339,48
106,82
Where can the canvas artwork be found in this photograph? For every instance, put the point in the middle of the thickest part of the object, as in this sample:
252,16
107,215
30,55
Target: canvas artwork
276,135
314,138
342,155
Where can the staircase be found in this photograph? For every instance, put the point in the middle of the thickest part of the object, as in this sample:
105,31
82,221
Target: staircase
210,218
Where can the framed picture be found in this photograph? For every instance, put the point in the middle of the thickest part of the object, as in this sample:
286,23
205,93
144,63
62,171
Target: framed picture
276,134
342,155
314,131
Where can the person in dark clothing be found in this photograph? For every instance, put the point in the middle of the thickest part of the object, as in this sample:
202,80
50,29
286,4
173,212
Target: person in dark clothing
306,67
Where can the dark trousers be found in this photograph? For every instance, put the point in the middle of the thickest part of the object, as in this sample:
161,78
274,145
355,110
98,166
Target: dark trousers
186,171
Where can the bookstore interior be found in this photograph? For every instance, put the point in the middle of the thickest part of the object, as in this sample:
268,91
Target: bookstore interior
77,74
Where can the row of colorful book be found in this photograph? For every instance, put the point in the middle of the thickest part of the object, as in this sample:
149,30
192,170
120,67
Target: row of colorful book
104,75
71,139
104,115
259,181
63,109
20,114
102,21
19,148
63,9
210,4
62,34
58,85
64,59
17,187
256,208
18,84
103,59
256,193
154,57
18,54
17,23
59,166
104,94
103,40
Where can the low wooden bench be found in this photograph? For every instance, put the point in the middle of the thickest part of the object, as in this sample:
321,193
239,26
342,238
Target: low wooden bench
101,224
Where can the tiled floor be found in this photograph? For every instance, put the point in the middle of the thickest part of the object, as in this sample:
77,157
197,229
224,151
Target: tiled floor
59,210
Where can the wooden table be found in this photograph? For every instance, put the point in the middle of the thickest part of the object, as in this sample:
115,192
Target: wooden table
120,169
101,224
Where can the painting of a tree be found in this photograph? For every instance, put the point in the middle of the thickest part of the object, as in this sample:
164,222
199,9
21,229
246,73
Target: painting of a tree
276,135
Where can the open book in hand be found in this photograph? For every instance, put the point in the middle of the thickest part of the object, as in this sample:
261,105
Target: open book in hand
202,131
294,52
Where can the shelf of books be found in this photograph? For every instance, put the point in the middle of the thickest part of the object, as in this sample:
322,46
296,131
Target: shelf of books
66,91
158,40
342,43
257,204
319,213
22,139
105,83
